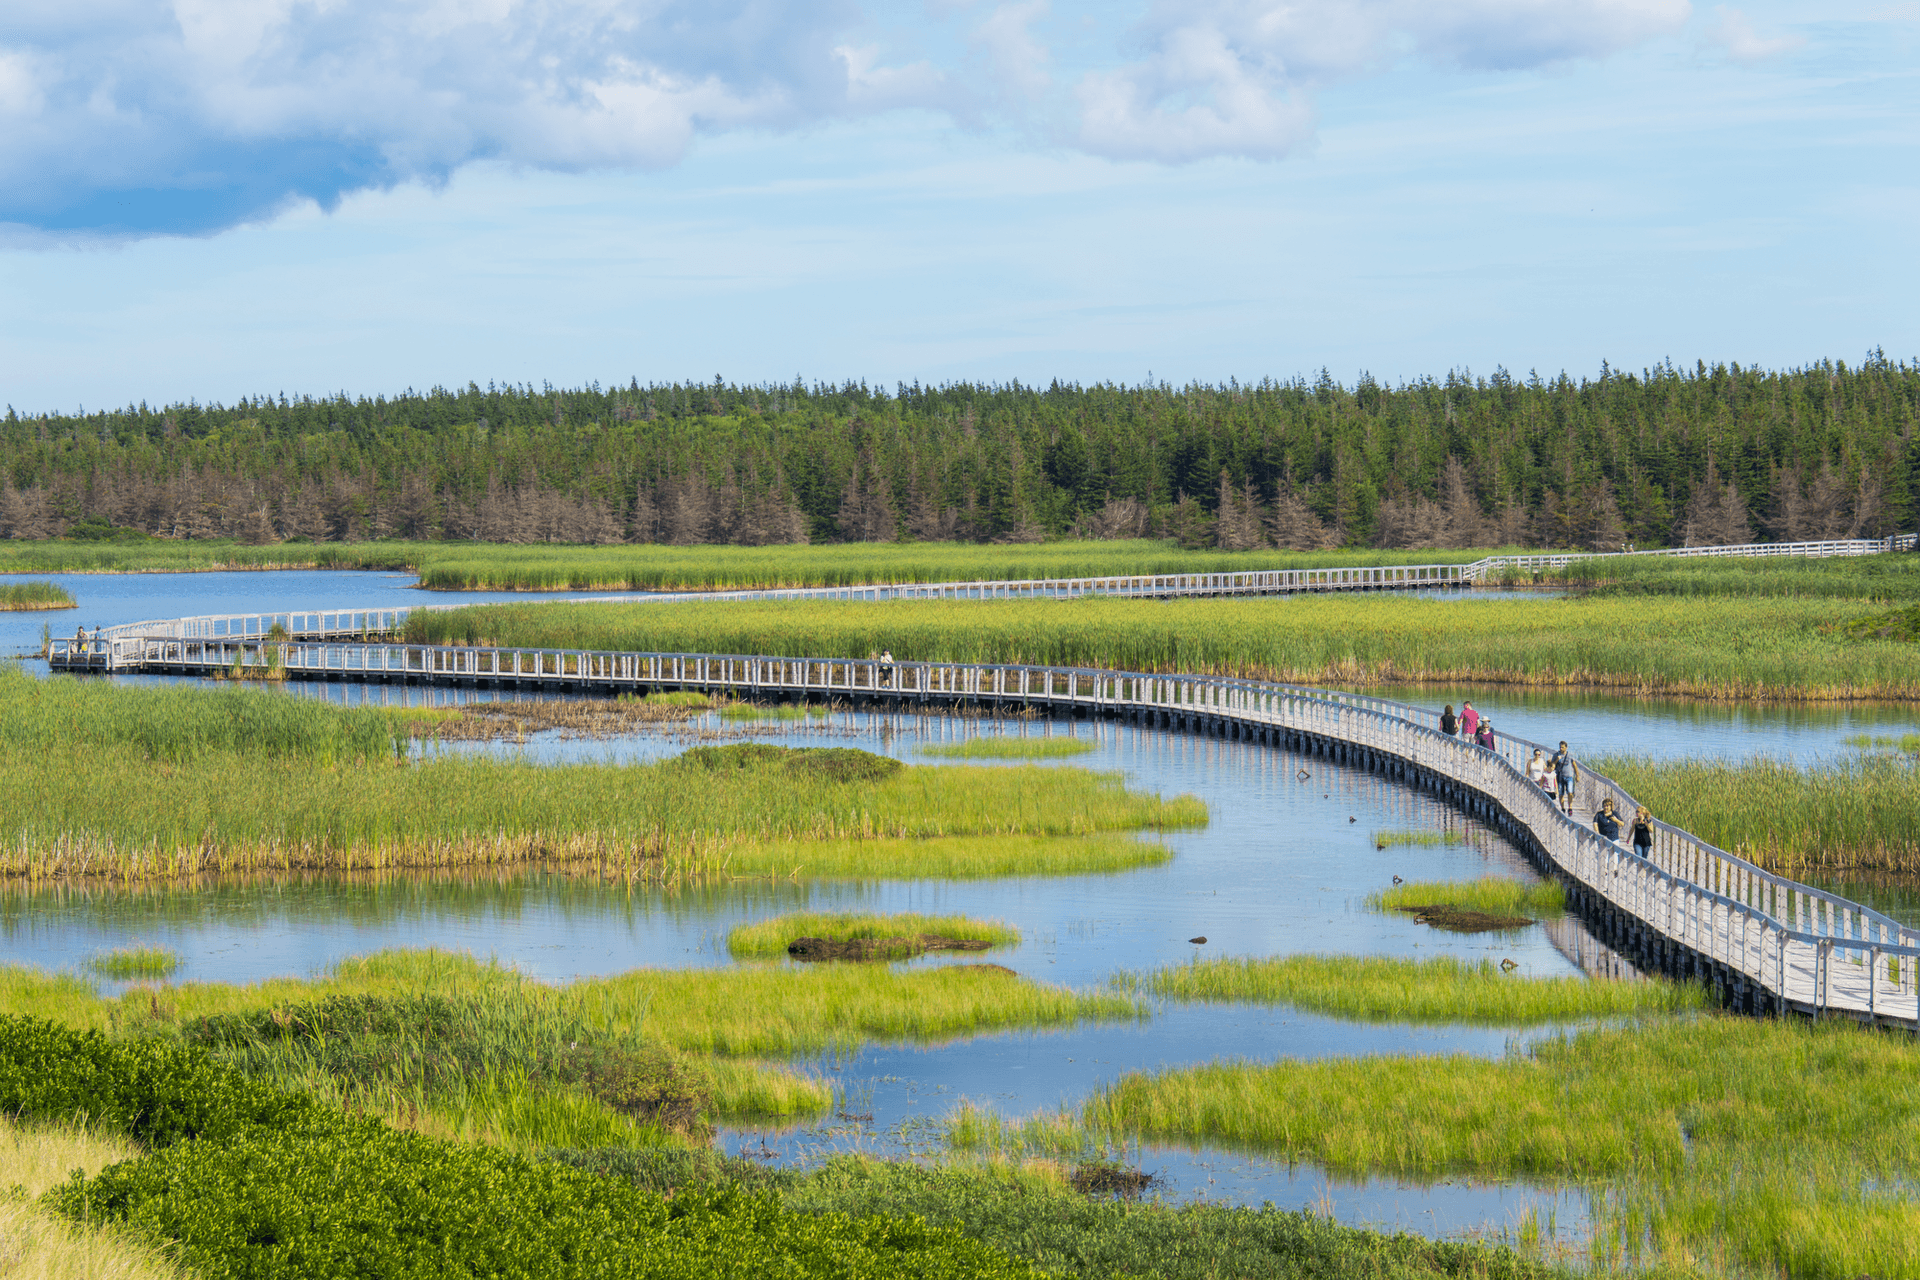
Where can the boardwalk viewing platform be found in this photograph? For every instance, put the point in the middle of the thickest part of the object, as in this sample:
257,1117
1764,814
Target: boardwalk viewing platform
1766,944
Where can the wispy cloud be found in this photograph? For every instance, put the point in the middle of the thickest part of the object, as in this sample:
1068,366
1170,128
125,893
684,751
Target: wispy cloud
1732,33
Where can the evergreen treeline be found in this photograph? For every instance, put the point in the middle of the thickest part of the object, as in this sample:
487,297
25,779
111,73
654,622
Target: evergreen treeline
1667,457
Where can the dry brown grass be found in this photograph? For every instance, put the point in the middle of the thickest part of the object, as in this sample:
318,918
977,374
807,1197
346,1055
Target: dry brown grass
34,1245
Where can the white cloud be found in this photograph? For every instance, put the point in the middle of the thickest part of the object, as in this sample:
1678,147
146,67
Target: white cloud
1733,34
193,115
1235,77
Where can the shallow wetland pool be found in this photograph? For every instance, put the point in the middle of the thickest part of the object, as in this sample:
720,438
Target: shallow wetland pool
1284,867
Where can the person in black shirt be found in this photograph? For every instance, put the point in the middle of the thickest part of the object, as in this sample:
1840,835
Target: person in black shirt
1449,723
1643,832
1607,822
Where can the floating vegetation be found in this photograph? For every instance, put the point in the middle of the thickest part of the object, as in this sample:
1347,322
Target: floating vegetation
134,962
1393,989
766,938
1425,839
1851,813
1346,640
1001,748
27,596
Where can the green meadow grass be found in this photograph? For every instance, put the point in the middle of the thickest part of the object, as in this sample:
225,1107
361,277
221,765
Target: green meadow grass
1394,989
1494,895
770,937
1846,813
999,748
135,962
1710,647
1768,1146
27,596
146,782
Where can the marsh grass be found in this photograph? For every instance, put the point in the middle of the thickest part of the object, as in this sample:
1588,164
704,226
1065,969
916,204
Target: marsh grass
942,857
1907,742
1713,1135
34,1244
1010,749
28,596
765,938
1892,576
1058,1135
128,963
1710,647
59,997
1494,895
1418,839
1843,814
1395,989
161,782
774,711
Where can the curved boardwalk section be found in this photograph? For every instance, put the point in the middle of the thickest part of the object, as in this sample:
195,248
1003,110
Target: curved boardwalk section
1765,943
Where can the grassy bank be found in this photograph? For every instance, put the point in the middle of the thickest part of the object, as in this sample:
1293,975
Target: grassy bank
1843,814
1391,989
1712,1137
26,596
766,938
1712,648
148,782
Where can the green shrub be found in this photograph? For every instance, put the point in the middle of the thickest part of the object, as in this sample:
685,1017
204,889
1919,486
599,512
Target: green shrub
156,1092
375,1202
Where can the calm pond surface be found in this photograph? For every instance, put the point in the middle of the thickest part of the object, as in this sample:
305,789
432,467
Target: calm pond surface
1284,867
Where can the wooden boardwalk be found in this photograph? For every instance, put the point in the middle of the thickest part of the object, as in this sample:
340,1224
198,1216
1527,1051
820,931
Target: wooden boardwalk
1764,942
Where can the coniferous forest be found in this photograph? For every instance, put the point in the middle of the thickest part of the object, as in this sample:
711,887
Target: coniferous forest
1668,456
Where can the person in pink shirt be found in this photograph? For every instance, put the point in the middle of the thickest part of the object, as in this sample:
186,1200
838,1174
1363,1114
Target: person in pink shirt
1469,720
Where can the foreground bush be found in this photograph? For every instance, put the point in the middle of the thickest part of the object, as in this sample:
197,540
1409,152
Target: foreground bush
254,1182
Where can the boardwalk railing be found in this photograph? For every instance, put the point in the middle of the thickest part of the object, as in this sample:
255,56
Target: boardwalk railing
112,647
1773,942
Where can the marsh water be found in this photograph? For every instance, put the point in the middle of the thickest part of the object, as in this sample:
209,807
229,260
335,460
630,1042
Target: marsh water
1284,867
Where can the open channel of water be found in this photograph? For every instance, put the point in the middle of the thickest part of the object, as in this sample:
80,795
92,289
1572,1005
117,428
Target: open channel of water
1284,867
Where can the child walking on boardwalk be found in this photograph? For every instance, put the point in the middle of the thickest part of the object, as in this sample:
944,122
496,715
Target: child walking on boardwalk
1567,775
1643,832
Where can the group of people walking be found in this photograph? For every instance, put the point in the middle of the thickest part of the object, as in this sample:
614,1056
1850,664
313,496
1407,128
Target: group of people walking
1558,775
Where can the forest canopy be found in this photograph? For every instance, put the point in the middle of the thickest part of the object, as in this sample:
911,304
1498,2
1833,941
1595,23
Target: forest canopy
1669,456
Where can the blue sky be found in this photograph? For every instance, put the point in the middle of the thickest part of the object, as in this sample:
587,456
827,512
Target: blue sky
211,198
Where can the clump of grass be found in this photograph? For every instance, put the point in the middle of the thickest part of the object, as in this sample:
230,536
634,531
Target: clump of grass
679,698
1059,1134
1908,742
58,997
26,596
135,962
1010,749
1393,989
945,857
1849,813
770,937
773,711
1715,1134
1426,839
1494,895
824,764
